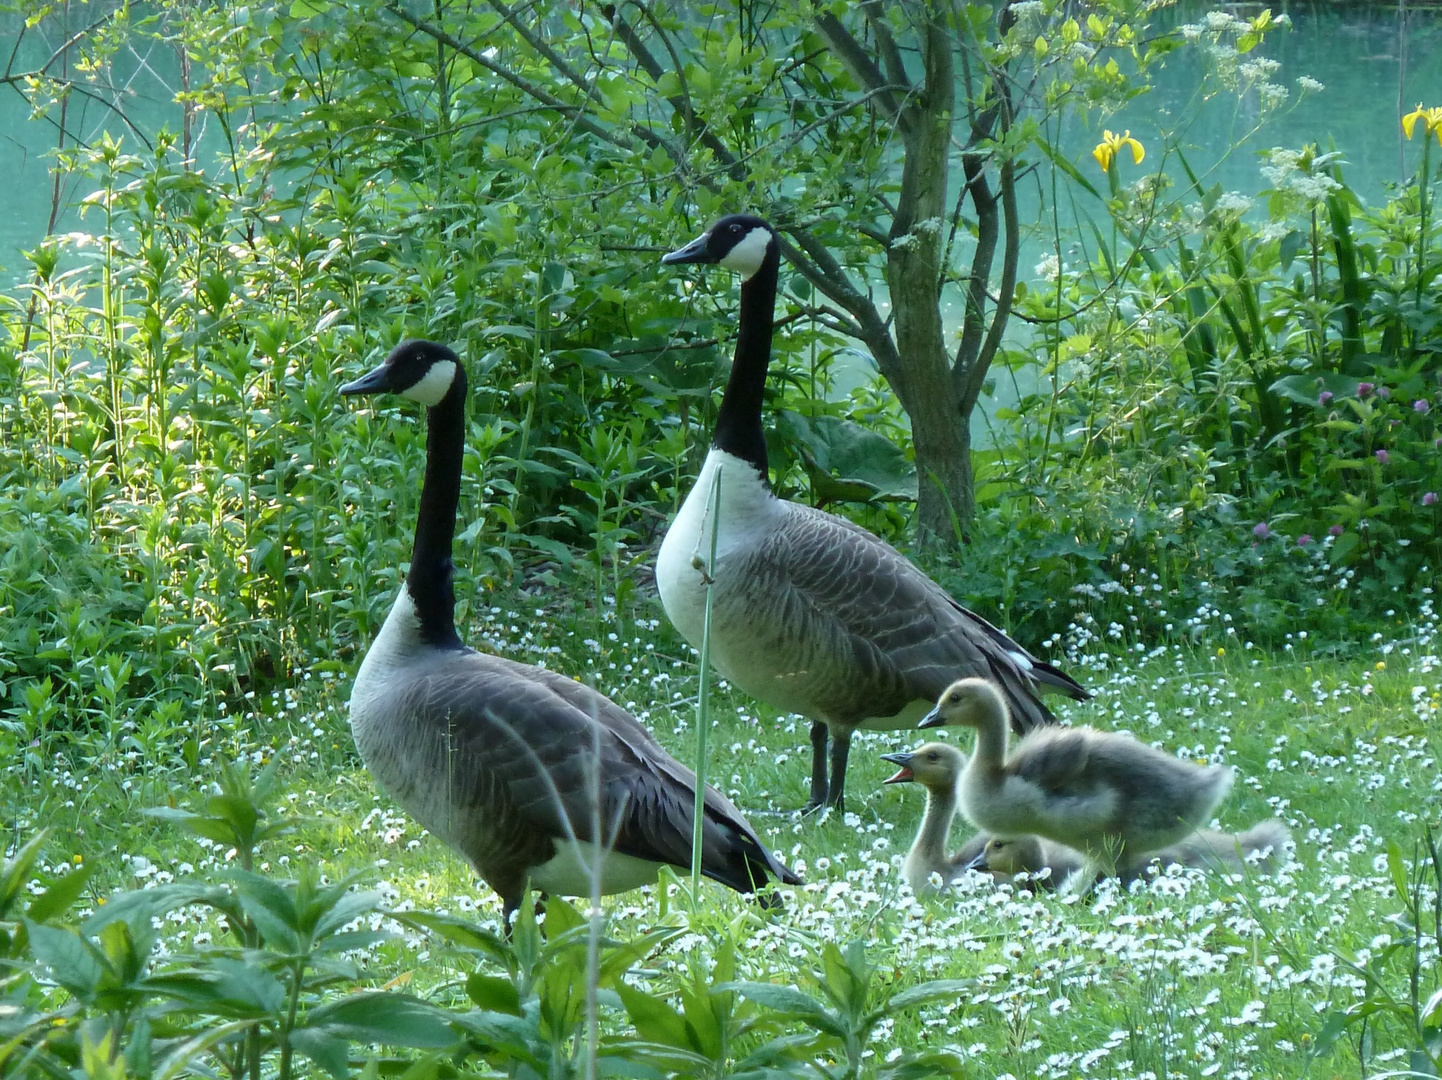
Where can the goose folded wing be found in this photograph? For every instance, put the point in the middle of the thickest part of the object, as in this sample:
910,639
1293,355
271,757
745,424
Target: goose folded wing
562,758
877,616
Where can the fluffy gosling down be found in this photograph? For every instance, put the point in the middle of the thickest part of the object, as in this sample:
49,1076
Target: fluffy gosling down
1259,849
1105,794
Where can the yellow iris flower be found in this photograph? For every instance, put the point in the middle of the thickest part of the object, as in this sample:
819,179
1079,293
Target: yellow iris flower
1107,149
1431,121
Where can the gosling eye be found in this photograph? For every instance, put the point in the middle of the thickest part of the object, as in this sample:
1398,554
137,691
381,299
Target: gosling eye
931,755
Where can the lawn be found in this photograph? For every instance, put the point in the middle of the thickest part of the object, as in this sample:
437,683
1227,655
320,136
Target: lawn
1189,975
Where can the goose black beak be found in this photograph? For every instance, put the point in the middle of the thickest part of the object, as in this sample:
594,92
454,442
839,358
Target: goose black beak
904,775
694,252
979,863
933,719
372,382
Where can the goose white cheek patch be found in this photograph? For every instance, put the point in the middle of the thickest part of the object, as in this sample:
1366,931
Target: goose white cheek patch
433,385
748,254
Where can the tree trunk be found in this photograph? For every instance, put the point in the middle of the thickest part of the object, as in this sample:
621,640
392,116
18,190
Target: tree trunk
922,377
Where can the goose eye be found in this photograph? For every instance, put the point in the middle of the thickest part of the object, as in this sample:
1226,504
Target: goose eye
931,756
736,228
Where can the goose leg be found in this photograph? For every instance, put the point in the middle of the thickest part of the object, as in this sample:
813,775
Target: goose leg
819,733
840,748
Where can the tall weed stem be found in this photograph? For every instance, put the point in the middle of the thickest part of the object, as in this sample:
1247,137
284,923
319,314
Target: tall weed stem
703,693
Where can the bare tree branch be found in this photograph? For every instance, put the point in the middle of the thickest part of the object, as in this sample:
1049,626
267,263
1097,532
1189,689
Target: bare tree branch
849,51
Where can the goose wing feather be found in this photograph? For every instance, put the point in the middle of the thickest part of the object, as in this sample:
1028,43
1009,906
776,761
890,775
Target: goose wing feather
1054,759
877,633
539,749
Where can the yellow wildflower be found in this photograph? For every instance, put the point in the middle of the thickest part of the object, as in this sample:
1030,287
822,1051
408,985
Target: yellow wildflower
1111,142
1381,665
1431,121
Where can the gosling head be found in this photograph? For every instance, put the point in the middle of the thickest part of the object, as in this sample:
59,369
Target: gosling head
423,371
739,242
934,766
966,702
1009,856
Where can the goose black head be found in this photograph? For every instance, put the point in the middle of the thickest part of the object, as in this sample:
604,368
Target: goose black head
738,242
423,371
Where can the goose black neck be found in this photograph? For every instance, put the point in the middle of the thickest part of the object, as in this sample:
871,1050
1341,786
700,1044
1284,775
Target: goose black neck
429,579
738,422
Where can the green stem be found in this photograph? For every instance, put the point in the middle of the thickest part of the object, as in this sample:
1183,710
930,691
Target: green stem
703,696
1424,189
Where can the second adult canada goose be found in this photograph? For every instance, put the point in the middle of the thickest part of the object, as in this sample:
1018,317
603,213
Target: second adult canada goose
1103,793
812,614
528,774
1261,848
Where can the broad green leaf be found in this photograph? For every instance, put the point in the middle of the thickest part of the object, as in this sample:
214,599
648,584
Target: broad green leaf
493,993
73,963
789,1001
384,1017
59,897
935,990
1397,867
654,1018
329,1051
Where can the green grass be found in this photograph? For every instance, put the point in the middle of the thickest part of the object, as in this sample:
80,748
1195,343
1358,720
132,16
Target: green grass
1192,975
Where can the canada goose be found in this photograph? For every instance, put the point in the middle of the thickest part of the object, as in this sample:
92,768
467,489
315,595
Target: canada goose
812,614
507,763
1105,794
1261,848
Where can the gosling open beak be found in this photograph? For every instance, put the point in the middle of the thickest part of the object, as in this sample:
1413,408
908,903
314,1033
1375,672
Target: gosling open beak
979,863
904,775
694,252
932,719
372,382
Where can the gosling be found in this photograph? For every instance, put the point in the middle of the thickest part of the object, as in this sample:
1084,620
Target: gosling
937,767
1104,794
1046,863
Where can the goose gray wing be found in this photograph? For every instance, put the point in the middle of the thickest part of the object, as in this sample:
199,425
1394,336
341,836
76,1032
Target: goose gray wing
885,634
535,754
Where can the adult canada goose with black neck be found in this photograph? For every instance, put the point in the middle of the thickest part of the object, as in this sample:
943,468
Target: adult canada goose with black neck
525,772
811,613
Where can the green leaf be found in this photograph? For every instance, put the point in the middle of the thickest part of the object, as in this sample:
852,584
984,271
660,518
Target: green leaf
1397,867
328,1051
17,870
73,963
654,1018
385,1017
459,932
791,1002
935,990
60,896
271,908
494,993
142,905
